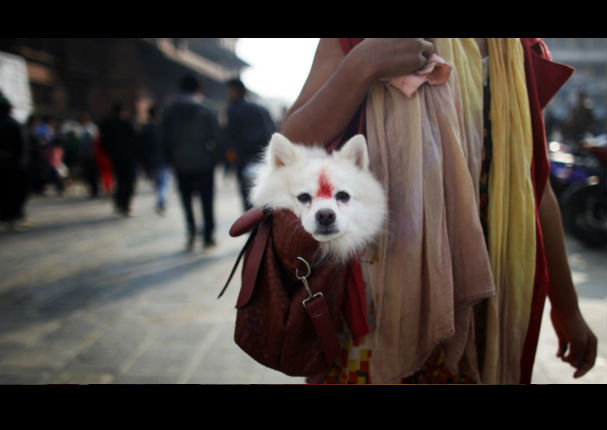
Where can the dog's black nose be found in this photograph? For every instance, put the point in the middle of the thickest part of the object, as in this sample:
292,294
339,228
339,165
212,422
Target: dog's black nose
325,217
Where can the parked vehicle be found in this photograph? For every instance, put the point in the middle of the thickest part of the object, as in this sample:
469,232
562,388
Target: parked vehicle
577,175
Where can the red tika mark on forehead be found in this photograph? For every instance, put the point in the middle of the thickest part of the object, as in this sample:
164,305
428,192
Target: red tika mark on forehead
325,189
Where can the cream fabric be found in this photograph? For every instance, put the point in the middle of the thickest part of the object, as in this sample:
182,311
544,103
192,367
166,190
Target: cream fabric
433,264
511,214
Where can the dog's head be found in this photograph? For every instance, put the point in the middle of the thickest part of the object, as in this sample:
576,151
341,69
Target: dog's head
338,200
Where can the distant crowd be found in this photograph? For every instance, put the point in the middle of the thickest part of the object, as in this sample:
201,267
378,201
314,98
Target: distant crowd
185,138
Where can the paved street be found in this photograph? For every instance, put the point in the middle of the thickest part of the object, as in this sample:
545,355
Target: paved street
87,297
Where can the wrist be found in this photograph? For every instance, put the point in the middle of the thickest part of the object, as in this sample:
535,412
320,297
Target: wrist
362,65
565,308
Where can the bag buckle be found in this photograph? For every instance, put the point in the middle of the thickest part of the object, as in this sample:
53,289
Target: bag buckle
304,280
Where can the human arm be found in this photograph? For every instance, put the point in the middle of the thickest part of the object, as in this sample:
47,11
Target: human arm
338,83
577,342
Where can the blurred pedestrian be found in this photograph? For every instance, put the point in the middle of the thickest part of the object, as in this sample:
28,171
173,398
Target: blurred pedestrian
151,156
581,119
44,131
104,166
57,170
86,134
36,164
117,138
69,132
551,124
190,133
13,177
249,129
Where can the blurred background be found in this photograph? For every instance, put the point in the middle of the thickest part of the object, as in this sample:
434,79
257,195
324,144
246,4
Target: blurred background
93,292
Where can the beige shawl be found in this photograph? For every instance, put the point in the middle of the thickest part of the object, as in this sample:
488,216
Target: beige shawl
433,264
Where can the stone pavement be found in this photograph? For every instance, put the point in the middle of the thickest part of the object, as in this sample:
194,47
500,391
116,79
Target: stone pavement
87,297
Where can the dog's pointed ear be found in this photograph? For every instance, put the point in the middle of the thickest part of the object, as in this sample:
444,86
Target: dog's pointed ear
281,151
355,151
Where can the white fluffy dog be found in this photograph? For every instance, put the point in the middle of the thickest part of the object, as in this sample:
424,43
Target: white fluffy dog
337,199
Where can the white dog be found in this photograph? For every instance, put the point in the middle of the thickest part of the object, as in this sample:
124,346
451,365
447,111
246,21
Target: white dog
337,199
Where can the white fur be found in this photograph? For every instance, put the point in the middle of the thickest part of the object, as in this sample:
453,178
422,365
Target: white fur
289,169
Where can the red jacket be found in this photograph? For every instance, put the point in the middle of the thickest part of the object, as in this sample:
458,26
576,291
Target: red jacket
544,78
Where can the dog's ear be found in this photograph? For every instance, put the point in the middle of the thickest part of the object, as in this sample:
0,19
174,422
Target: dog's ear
355,151
281,151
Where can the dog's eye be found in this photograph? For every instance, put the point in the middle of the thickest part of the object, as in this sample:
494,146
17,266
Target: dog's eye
304,198
342,196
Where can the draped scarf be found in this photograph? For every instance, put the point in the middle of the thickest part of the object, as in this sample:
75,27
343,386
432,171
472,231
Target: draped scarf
433,264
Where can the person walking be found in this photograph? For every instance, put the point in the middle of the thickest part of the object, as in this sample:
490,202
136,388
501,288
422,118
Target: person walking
248,131
474,228
151,155
57,170
36,165
189,136
86,133
117,139
581,119
13,176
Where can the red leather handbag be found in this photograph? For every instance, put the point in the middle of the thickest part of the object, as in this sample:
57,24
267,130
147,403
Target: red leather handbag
290,302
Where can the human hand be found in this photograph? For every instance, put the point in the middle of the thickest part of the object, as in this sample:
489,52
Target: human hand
576,338
395,57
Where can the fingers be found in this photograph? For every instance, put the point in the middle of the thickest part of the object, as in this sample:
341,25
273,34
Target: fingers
588,358
428,48
562,349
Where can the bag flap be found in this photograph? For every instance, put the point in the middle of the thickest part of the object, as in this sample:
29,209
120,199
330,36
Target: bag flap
249,220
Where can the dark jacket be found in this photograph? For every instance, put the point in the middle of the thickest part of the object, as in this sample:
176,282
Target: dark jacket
11,141
249,130
117,138
149,147
189,135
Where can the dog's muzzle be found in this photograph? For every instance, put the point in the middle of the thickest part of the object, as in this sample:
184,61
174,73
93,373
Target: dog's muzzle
325,222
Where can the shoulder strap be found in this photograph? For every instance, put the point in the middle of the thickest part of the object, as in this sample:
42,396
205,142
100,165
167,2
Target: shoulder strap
318,311
240,254
248,221
254,262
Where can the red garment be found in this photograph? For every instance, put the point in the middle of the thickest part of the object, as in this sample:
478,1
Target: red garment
544,78
104,165
55,156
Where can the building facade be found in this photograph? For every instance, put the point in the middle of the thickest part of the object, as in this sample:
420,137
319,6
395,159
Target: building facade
589,58
71,75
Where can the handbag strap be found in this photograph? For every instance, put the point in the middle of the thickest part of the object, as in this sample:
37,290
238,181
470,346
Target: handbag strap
254,262
240,254
318,311
248,221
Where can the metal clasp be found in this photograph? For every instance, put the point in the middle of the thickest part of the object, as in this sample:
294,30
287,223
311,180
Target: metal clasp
304,280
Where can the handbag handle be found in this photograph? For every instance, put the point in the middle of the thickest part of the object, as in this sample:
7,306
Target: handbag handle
245,223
